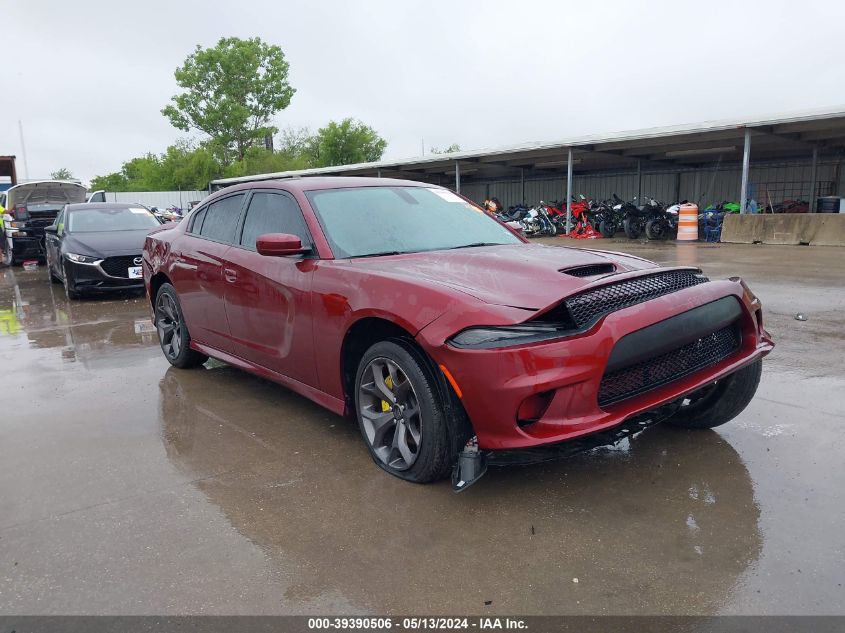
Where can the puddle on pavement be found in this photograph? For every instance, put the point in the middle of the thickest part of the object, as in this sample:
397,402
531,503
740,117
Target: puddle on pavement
666,509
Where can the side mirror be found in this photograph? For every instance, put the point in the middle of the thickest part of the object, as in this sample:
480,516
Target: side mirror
279,245
52,229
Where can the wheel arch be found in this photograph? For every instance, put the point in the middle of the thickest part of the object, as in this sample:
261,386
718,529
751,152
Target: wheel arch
366,332
359,337
156,282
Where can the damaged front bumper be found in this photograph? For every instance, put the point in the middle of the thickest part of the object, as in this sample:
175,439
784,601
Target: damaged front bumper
472,462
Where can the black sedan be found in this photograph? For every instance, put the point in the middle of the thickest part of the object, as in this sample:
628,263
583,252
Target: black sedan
97,247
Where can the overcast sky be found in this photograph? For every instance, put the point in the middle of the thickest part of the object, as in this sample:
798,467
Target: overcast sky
88,78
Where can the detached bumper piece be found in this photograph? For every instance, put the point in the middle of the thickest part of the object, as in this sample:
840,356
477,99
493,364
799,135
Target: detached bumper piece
472,463
470,467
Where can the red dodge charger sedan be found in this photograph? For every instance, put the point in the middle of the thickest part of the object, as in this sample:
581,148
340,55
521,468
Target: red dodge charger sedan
444,333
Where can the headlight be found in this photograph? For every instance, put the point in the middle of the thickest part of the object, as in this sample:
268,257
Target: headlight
17,225
504,336
81,259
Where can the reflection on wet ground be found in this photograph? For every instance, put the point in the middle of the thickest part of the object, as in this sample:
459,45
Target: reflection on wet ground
131,487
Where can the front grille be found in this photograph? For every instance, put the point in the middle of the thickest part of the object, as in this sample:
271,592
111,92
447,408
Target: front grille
119,266
660,370
590,270
589,306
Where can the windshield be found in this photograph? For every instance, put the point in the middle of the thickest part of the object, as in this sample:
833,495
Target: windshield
365,221
126,219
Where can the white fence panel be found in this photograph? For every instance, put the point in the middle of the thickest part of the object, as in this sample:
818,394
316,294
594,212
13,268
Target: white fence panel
160,199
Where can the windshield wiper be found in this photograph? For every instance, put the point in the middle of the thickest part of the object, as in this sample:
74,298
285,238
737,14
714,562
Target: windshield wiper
381,254
474,244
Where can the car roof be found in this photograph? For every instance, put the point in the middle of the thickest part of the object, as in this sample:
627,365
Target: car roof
81,206
313,183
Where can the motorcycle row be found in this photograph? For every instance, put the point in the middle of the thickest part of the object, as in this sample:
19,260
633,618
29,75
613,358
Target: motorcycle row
593,219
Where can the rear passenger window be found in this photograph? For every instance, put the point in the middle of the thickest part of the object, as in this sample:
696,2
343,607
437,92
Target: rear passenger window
221,219
273,213
196,221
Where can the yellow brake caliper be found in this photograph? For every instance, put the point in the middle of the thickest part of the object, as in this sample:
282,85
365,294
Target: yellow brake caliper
385,405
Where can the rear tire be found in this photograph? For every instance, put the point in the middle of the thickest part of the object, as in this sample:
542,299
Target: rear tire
402,415
172,330
632,227
720,402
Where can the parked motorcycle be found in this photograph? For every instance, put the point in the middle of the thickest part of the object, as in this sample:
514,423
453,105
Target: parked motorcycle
663,223
513,216
537,222
633,217
557,214
604,218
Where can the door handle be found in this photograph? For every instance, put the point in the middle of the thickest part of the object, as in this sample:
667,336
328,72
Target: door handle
230,275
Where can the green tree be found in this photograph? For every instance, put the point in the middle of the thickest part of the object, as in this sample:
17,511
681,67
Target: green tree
181,166
297,145
110,182
258,160
187,167
345,143
454,147
63,173
230,92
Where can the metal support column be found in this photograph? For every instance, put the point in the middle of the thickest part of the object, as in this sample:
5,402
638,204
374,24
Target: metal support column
639,180
746,161
813,177
378,171
457,177
522,182
569,191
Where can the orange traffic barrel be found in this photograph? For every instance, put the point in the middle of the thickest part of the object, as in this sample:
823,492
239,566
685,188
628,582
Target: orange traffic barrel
688,223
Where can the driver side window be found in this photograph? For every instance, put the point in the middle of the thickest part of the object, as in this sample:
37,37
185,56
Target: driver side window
273,213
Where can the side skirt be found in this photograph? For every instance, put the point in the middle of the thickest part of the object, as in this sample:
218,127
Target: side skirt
335,405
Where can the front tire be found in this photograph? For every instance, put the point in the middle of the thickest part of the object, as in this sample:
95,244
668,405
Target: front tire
720,402
71,293
53,277
633,228
8,255
607,228
173,333
402,416
654,230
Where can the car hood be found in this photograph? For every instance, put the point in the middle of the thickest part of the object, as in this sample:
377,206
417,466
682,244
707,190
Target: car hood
46,192
106,243
520,275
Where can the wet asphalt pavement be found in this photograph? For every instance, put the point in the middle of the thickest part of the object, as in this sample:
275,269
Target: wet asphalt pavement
128,487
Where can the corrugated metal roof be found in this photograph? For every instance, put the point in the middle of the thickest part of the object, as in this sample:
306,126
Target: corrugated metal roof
790,125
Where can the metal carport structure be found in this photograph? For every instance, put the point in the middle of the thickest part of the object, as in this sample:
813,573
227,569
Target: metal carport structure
683,156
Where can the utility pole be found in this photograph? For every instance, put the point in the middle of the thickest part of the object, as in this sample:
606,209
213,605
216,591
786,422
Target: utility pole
23,151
